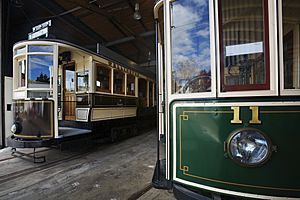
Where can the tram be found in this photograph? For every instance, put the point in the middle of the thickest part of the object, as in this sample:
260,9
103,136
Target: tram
61,91
228,98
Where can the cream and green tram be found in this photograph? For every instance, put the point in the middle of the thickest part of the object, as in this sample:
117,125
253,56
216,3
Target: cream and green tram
228,98
61,91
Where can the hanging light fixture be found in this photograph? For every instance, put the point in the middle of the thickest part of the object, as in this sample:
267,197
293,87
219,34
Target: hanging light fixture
136,14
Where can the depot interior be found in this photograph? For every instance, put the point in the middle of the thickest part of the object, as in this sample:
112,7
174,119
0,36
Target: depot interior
123,28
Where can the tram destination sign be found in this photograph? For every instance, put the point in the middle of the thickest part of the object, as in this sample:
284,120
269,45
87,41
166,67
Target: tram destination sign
40,30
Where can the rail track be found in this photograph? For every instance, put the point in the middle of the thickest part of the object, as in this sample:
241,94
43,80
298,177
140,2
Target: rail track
14,157
40,167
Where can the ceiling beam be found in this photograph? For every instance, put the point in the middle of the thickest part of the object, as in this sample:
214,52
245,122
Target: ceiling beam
128,39
123,29
56,10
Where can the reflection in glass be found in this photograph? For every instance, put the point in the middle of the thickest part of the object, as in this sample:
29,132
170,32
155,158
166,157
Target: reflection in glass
291,42
142,88
35,117
103,78
130,85
70,78
150,94
38,94
119,82
21,50
242,29
191,66
39,71
22,72
82,81
40,48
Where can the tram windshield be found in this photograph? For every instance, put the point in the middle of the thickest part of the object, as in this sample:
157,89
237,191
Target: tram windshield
39,71
191,61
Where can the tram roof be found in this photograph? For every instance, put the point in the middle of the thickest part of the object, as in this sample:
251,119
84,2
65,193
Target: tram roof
86,23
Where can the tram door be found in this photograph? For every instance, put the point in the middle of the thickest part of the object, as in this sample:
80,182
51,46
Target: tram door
69,97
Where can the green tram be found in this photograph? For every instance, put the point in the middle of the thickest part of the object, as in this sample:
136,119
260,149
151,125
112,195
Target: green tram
229,98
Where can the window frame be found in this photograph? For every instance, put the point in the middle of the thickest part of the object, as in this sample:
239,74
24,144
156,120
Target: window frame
273,57
283,91
123,82
82,74
168,54
109,91
246,87
27,68
19,83
128,75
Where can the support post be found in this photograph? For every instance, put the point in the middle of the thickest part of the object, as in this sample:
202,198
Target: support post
1,74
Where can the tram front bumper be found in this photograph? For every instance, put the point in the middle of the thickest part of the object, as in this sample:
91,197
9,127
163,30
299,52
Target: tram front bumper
20,143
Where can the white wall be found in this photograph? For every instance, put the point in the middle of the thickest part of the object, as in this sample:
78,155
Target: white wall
8,114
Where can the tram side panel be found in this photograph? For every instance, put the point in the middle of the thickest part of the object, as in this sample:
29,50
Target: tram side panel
205,135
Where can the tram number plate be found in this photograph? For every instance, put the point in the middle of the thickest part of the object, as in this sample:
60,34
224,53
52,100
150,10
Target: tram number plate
236,115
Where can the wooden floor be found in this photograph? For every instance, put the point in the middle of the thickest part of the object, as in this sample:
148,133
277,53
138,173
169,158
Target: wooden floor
108,171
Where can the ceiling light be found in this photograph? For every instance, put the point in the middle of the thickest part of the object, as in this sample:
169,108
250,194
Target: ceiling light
136,14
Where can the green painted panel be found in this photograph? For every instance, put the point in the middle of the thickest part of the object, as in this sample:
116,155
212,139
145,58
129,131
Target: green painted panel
201,158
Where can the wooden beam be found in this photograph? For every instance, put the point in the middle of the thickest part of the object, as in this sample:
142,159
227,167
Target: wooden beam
56,9
128,39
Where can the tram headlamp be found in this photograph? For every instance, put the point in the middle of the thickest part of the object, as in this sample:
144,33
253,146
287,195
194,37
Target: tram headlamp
249,147
13,128
16,128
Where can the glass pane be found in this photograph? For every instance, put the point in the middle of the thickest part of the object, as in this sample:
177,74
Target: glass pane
35,117
150,94
119,82
103,79
39,71
161,24
70,78
191,66
142,87
243,64
291,41
82,81
21,50
130,85
40,48
38,94
22,72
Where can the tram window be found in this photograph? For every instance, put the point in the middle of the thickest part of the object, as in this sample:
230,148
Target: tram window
69,77
20,50
161,25
40,48
38,94
39,71
191,62
142,86
130,89
150,94
291,43
119,82
244,45
103,78
22,72
82,81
